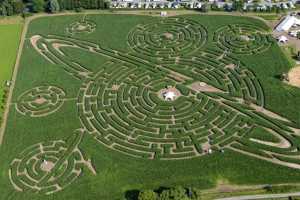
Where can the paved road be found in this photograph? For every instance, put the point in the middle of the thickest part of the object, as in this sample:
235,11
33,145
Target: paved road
262,196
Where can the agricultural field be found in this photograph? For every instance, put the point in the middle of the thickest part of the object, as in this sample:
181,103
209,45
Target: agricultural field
9,40
90,119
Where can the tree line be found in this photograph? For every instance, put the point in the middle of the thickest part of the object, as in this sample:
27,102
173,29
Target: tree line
16,7
175,193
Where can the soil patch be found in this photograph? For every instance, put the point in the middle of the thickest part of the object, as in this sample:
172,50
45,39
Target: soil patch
47,166
203,87
40,100
294,76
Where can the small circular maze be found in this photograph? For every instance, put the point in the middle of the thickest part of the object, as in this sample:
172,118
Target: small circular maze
168,37
46,167
40,101
242,39
84,26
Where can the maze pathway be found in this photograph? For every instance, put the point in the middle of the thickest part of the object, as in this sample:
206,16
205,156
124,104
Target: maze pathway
48,167
243,39
40,101
220,102
168,37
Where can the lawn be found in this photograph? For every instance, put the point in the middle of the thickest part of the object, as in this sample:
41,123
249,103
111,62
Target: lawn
89,118
9,40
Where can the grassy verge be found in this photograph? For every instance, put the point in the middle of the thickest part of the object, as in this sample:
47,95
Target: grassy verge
270,17
9,40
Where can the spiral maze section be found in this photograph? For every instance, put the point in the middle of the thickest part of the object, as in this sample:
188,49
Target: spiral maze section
168,37
40,101
242,39
46,167
122,109
83,26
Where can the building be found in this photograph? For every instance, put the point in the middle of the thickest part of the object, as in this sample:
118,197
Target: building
287,23
282,39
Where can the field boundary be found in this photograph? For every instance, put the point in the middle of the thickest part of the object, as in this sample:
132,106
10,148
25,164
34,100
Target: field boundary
14,75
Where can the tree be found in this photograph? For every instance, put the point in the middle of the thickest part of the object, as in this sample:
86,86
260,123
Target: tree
298,35
177,193
3,10
38,5
9,9
237,5
298,55
204,7
53,6
147,195
18,6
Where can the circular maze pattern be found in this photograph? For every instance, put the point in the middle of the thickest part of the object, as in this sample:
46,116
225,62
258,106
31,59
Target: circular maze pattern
46,167
242,39
40,101
134,120
168,37
84,26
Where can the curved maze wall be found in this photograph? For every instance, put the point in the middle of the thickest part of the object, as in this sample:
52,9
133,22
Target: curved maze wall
27,172
168,37
134,120
242,39
120,104
40,101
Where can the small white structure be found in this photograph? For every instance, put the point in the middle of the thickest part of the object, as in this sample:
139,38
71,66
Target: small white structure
287,23
282,39
294,32
169,95
7,83
163,13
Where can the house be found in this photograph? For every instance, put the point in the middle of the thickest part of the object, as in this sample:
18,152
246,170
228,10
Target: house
287,23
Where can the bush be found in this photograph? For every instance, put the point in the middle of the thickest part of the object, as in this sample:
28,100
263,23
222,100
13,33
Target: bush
183,89
147,195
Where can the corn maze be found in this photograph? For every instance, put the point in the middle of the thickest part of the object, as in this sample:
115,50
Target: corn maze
48,167
40,101
170,37
242,39
83,26
221,101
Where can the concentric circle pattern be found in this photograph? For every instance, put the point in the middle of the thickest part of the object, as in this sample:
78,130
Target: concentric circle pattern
242,39
168,37
45,167
40,101
134,120
84,26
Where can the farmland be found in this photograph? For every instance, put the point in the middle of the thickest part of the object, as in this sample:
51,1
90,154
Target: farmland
10,36
89,120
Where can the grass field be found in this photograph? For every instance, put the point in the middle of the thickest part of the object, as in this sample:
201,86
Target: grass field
10,37
88,119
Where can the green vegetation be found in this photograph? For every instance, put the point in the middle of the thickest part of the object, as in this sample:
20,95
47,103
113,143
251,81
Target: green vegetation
88,122
177,193
270,17
9,40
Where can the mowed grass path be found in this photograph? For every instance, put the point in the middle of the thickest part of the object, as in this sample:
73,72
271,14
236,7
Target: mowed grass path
9,42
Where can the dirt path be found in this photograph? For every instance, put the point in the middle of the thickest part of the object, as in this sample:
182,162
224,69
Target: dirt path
262,196
294,76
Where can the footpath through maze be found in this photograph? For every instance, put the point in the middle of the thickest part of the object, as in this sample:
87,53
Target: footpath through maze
219,103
